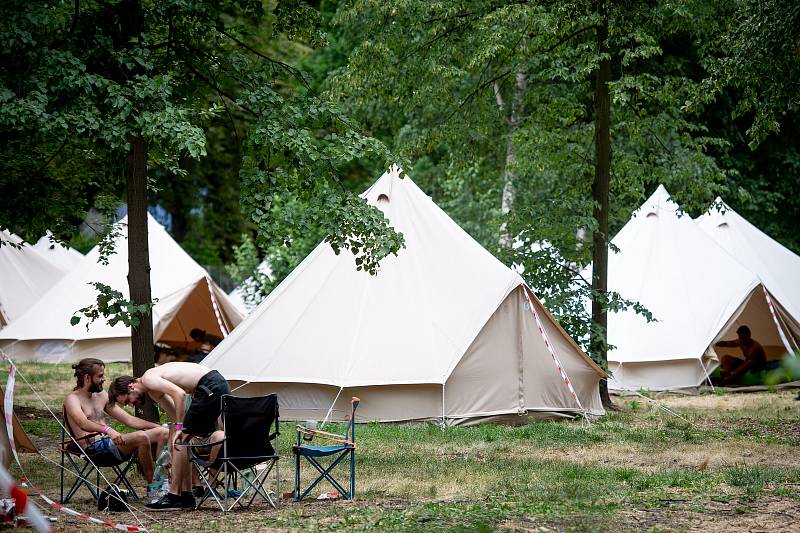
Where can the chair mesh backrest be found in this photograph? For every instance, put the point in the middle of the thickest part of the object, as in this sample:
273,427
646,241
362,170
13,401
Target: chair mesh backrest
248,425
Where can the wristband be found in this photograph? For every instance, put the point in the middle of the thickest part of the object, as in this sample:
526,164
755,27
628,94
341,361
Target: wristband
104,431
178,426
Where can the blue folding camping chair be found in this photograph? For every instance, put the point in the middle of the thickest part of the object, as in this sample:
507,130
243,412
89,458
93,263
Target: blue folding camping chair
344,447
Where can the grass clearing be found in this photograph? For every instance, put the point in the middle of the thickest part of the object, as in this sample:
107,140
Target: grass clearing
731,463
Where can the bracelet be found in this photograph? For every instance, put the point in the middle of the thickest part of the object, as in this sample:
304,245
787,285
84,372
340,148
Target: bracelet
104,431
178,426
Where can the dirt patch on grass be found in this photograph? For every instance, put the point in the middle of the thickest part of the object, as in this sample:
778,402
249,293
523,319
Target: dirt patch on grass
772,402
710,455
769,513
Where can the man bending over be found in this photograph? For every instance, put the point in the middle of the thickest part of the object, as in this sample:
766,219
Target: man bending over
85,409
168,385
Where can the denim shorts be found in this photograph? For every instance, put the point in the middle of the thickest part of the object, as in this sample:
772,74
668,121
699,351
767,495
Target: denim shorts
104,446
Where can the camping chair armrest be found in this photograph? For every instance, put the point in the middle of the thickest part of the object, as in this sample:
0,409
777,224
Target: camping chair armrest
71,438
201,445
323,434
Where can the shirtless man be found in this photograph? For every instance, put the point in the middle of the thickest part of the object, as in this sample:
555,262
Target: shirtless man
85,409
755,359
168,385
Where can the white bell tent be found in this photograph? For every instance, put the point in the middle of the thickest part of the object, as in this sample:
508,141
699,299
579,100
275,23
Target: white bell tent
443,332
187,299
697,292
60,254
777,267
25,275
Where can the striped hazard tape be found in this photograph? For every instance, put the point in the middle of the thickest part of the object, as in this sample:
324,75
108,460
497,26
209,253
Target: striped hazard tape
564,377
215,305
84,516
8,409
781,333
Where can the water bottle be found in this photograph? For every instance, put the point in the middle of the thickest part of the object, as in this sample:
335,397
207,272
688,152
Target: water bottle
156,489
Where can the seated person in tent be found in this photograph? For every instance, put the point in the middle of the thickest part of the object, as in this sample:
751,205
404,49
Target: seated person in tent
164,353
755,359
85,409
207,343
168,386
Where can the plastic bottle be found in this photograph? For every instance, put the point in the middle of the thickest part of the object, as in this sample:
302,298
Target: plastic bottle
160,483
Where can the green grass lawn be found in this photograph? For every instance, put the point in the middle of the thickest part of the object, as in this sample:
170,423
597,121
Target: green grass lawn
729,463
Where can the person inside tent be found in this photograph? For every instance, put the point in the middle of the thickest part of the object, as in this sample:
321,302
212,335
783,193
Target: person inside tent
207,343
85,409
755,359
168,385
163,353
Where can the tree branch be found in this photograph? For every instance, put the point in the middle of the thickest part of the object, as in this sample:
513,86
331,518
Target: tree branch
567,38
285,66
53,156
218,89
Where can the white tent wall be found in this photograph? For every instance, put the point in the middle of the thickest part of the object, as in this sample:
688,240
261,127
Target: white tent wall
382,403
25,275
652,375
67,350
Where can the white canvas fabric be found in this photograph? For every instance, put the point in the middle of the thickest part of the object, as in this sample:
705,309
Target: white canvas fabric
182,287
697,292
443,329
777,267
25,275
64,256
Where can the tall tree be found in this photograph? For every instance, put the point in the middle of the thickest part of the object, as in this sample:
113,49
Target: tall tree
438,77
122,87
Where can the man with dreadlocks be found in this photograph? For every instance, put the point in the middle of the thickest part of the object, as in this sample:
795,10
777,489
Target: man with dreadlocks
84,414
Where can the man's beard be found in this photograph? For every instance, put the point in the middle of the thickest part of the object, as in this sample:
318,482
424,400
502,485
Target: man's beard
94,387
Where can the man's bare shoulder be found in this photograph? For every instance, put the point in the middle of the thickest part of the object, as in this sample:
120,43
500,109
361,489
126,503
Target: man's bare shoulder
72,397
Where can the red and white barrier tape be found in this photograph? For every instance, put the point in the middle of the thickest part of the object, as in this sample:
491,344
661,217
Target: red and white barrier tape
782,335
31,512
215,305
84,516
22,505
8,408
564,377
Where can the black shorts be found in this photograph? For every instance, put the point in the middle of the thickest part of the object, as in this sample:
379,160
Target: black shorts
201,418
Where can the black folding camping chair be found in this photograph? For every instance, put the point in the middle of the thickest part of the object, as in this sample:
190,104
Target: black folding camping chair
246,453
344,448
80,463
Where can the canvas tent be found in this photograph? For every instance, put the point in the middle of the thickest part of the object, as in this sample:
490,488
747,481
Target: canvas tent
22,442
25,275
775,265
187,298
695,289
60,254
443,332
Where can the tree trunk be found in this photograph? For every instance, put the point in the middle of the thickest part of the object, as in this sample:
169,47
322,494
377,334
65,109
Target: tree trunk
509,177
139,264
600,186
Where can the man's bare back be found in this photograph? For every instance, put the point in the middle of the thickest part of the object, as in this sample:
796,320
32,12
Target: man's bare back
184,375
